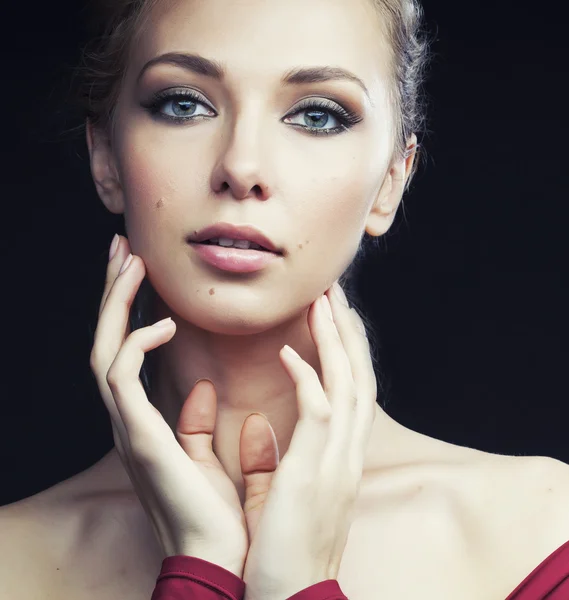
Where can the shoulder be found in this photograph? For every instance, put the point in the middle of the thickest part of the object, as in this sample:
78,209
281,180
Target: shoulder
536,482
511,512
550,475
519,508
504,487
24,552
466,519
67,541
40,537
545,481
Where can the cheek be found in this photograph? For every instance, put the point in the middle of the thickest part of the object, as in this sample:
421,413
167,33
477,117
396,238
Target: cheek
323,207
335,208
150,170
147,202
161,186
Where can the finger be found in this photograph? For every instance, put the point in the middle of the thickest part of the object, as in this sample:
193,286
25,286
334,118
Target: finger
99,366
338,382
120,436
111,330
259,459
143,422
196,423
113,268
152,444
311,431
352,333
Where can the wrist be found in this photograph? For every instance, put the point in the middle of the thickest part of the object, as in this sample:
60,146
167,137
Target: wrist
235,566
236,570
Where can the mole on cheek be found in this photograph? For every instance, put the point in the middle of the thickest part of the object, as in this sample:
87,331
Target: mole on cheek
159,204
211,291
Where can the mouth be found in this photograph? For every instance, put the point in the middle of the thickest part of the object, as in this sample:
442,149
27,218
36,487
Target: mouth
234,258
236,245
240,237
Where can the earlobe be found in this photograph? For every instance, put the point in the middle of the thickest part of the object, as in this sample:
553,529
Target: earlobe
383,212
103,169
385,207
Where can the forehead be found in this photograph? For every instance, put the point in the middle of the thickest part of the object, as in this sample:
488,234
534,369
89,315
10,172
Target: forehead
268,37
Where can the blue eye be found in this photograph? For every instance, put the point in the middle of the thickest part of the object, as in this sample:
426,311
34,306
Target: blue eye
185,102
316,114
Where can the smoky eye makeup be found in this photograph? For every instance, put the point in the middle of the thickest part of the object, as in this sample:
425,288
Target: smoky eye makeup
184,103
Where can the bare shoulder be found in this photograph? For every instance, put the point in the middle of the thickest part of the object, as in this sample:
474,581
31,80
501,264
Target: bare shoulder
67,542
512,497
472,524
549,477
24,552
40,540
505,488
519,508
537,486
545,483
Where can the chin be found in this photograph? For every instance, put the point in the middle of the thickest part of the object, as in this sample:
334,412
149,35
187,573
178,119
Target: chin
224,321
224,315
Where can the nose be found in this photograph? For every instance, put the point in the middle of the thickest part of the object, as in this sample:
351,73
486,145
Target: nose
242,161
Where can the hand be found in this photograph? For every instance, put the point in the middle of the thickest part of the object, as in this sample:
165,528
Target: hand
299,516
191,502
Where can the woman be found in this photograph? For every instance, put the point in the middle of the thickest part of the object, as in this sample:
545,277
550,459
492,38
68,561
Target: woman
201,113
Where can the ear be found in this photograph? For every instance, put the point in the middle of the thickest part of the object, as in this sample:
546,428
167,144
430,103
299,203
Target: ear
385,207
103,169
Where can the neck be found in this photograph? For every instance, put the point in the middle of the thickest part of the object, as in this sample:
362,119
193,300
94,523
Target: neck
248,377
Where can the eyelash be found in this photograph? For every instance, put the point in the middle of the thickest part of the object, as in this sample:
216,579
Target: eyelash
346,118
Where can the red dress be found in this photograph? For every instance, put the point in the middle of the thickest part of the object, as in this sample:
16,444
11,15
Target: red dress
190,578
549,580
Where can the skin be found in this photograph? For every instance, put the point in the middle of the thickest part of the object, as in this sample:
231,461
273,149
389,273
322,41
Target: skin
313,195
442,521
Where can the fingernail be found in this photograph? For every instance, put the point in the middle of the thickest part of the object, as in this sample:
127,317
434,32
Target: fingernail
163,323
114,246
260,414
126,263
290,351
340,294
327,307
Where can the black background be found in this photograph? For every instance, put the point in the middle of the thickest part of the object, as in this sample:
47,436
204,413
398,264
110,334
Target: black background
468,296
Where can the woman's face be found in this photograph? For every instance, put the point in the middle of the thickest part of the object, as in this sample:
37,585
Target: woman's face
246,158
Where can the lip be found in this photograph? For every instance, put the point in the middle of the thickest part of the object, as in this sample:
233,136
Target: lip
235,260
236,232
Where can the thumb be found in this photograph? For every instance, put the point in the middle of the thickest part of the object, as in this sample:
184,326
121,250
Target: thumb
259,457
196,423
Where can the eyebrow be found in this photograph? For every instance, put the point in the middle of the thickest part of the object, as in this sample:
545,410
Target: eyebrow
215,70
